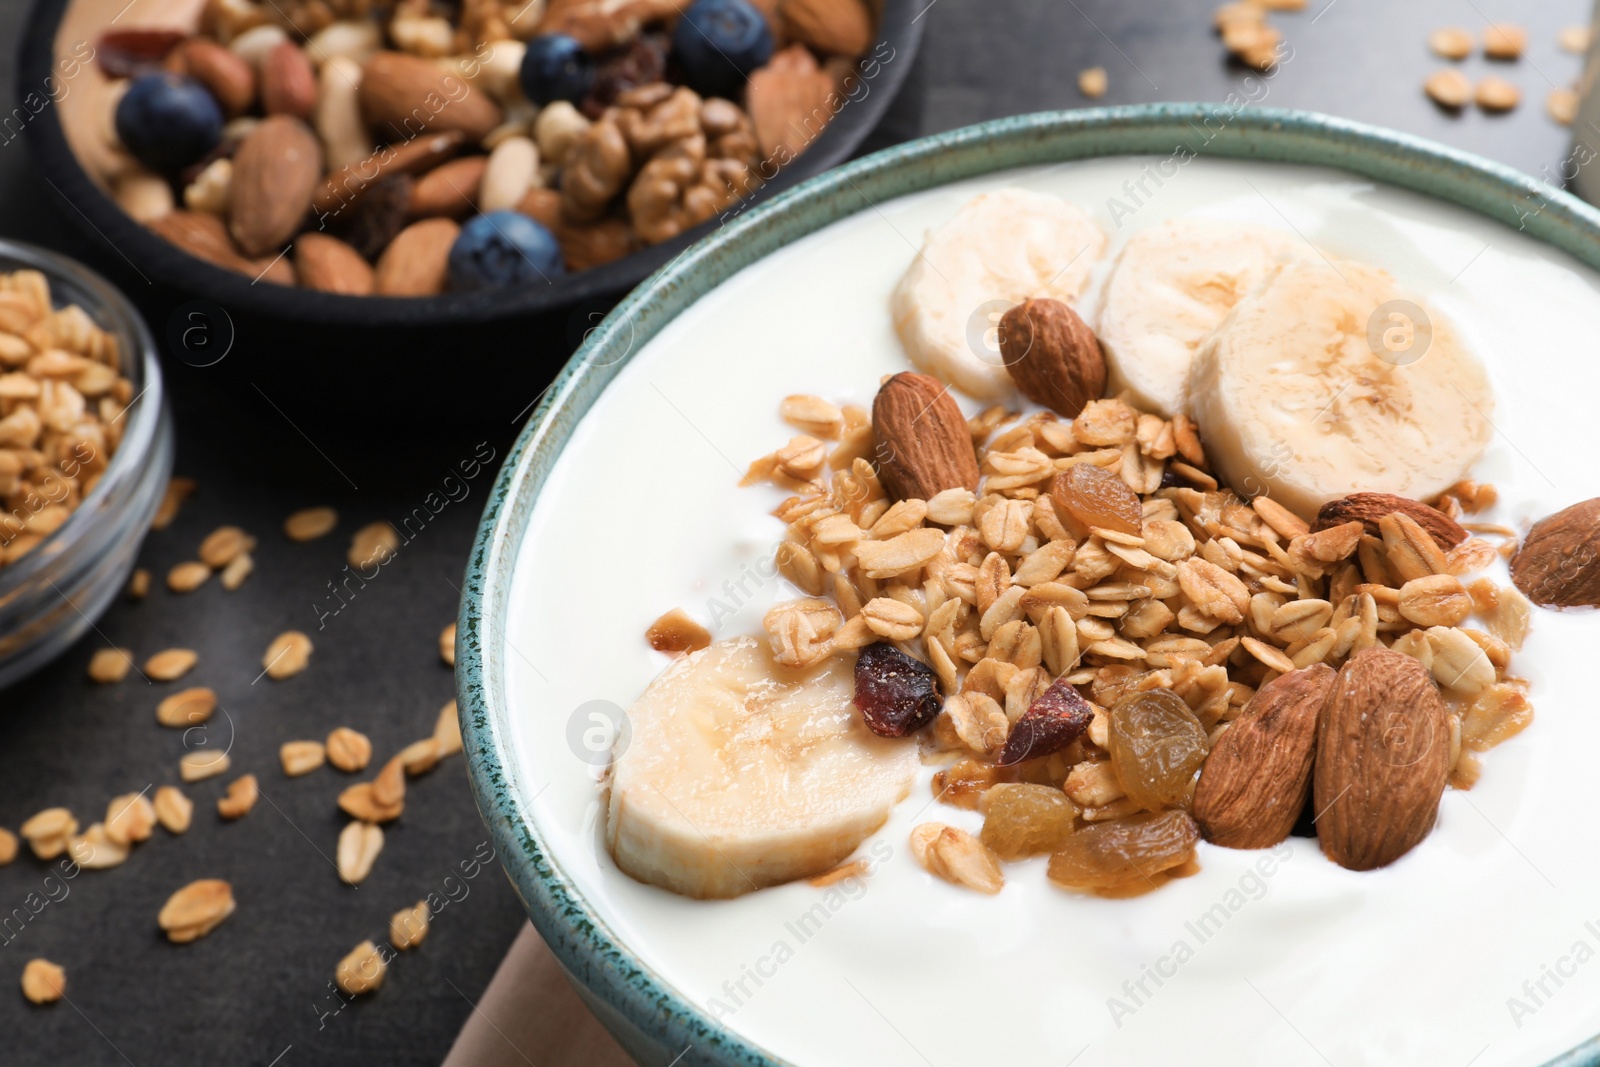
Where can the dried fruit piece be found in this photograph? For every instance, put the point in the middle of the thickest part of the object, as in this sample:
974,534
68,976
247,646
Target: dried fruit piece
1096,498
1125,852
895,694
1156,746
1558,563
1024,820
673,632
1383,754
1052,722
1257,778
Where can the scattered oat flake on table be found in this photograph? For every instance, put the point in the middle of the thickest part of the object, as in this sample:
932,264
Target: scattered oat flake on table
359,845
1451,42
238,569
373,544
187,577
1504,40
43,982
49,832
173,809
130,818
195,910
94,850
1497,94
301,757
1092,82
139,584
110,665
447,730
187,707
171,664
362,970
447,645
1575,39
348,750
8,846
420,757
288,655
198,766
1562,104
240,798
408,926
1448,88
223,544
308,524
178,490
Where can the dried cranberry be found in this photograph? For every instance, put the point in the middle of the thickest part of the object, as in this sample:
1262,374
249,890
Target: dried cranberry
125,53
1051,723
895,693
641,63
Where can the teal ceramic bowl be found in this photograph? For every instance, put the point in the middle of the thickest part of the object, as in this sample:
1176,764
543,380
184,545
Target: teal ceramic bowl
651,1019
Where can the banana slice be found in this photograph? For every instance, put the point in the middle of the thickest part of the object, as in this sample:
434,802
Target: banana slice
741,773
1171,286
998,250
1330,381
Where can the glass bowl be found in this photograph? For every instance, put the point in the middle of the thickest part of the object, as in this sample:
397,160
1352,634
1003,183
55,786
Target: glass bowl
53,594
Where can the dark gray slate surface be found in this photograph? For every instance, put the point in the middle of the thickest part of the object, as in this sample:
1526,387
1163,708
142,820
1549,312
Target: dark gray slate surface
256,991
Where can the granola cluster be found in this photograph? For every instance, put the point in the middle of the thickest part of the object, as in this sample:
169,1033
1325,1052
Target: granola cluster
1028,581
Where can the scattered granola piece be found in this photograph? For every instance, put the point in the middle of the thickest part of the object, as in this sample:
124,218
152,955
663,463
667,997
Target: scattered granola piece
1092,82
170,664
1448,88
173,809
359,845
301,757
187,577
1504,40
198,766
308,524
349,750
187,707
408,926
373,545
1562,104
49,832
195,910
362,970
223,545
1497,94
109,665
130,818
288,655
420,757
94,850
8,846
178,490
139,584
1451,42
957,857
813,415
1575,39
447,730
447,645
238,569
240,798
43,982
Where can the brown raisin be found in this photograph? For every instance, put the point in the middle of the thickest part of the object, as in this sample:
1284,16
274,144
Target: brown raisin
895,694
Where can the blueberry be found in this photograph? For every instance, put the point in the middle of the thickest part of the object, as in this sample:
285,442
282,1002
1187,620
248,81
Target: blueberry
168,121
555,67
503,248
717,43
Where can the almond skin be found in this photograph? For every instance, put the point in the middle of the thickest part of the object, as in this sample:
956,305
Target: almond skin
205,236
1558,563
222,70
288,84
1052,355
1383,756
328,264
449,190
1258,776
403,96
347,185
417,261
924,446
1368,508
274,173
832,27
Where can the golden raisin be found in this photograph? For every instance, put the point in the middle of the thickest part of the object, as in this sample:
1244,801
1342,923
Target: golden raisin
1025,820
1096,497
1157,746
1124,852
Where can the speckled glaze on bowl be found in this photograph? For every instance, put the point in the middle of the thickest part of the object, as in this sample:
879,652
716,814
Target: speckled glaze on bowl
651,1019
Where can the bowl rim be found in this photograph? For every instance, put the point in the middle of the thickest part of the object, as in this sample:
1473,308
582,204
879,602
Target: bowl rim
144,410
899,28
593,955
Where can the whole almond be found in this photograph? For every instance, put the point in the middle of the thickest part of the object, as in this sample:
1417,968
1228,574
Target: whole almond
288,84
417,261
206,237
346,186
1052,355
1558,563
1383,756
833,27
924,446
328,264
1368,508
403,96
274,173
220,69
1258,776
449,190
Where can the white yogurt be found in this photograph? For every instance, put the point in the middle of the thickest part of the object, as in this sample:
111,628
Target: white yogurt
1477,947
